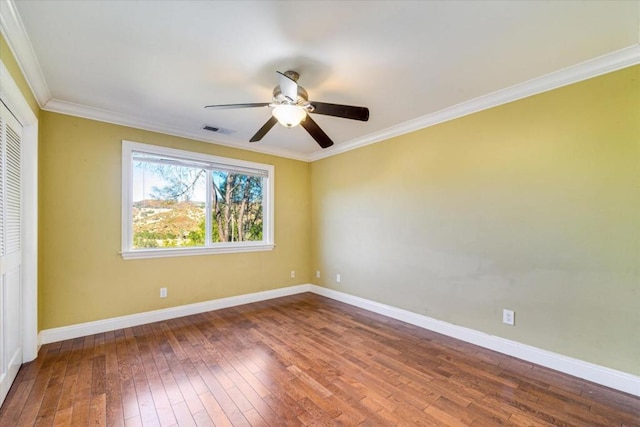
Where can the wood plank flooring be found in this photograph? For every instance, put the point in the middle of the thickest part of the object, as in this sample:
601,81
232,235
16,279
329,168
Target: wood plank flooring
299,360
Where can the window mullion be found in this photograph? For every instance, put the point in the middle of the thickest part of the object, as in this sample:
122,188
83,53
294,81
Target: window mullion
208,209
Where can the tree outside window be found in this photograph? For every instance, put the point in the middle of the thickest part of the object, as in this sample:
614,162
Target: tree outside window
180,202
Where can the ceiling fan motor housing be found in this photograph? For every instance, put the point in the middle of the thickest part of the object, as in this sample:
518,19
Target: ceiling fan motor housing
278,97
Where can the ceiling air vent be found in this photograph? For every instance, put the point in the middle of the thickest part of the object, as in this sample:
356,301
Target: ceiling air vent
217,129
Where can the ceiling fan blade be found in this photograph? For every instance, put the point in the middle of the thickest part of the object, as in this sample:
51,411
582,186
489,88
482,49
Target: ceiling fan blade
288,87
344,111
316,133
264,129
231,106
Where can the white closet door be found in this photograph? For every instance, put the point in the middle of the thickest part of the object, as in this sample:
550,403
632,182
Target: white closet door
10,249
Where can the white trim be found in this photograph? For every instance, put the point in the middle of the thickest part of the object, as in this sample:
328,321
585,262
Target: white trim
220,248
13,367
12,96
17,38
585,70
268,201
114,323
615,379
92,113
578,368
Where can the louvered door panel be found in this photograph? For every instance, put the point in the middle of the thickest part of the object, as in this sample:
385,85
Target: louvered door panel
12,190
3,131
3,323
11,291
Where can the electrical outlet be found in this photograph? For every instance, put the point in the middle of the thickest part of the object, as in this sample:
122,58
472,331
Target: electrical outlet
163,292
317,274
293,274
508,317
338,278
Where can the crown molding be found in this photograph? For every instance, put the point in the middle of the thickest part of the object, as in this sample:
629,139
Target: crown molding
585,70
604,64
10,92
591,68
17,38
92,113
14,32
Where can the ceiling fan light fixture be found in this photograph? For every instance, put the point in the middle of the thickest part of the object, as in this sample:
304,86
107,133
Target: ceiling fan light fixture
289,115
290,107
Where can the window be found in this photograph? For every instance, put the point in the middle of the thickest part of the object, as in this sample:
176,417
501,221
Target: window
178,202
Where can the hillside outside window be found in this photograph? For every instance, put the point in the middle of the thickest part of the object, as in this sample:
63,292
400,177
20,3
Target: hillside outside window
177,202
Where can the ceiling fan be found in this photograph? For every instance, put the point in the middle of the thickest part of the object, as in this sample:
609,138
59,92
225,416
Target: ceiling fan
291,107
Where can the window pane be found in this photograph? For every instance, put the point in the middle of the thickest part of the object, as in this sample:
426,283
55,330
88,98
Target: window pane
237,207
168,205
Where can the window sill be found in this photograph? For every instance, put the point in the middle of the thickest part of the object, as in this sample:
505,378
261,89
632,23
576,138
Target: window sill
174,252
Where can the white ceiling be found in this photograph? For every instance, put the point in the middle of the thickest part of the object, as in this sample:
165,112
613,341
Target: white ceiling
155,65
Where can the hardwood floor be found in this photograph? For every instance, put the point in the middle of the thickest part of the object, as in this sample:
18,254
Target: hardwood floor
299,360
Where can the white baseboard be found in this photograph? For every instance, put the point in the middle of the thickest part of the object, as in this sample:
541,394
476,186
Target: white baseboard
618,380
89,328
578,368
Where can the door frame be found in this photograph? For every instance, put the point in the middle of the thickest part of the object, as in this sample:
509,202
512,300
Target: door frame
14,99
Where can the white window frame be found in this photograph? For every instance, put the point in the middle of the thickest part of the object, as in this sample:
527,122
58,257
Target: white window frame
267,242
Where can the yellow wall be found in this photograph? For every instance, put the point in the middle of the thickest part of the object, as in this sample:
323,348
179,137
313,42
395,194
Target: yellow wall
16,74
532,206
82,276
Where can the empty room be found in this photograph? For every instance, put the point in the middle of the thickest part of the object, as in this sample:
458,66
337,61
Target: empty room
270,213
